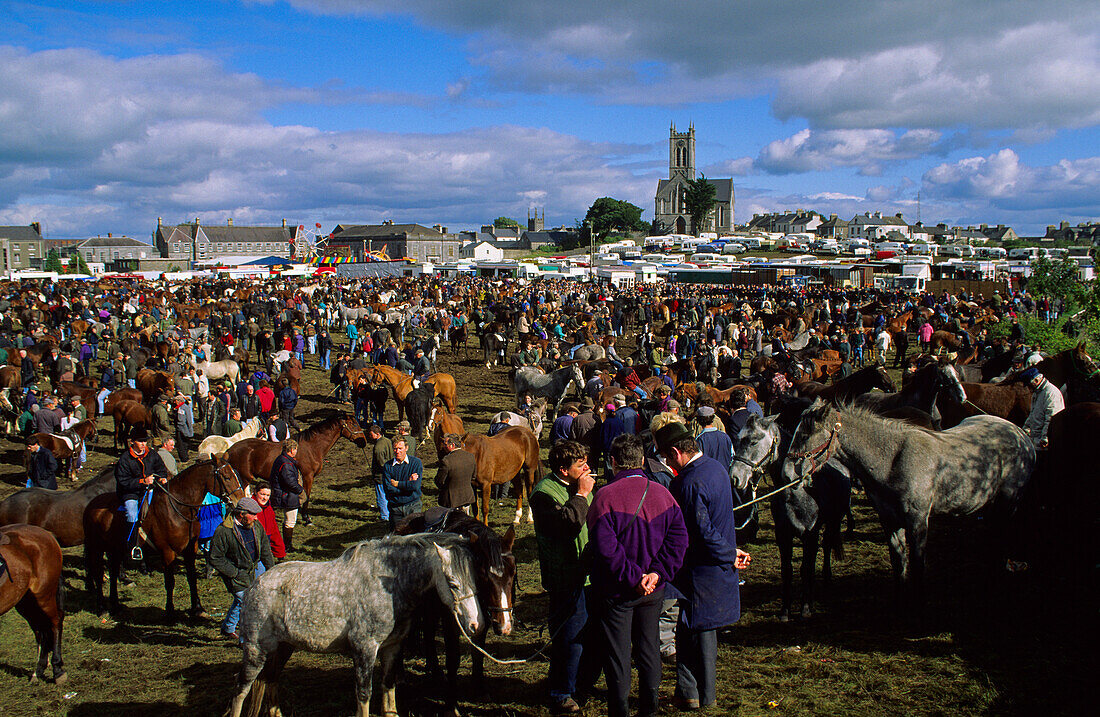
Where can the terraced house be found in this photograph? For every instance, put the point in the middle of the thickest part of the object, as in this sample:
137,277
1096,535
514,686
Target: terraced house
195,241
21,247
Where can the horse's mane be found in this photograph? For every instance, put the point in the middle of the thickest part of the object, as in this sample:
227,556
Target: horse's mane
318,427
858,412
418,540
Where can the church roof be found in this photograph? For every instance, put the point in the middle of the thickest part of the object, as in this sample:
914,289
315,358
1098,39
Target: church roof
723,188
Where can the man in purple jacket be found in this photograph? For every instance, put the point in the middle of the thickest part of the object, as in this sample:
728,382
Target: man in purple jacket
638,541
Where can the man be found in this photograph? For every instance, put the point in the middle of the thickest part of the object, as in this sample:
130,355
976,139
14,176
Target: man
456,475
586,430
278,430
250,404
185,425
135,472
639,540
560,504
165,453
288,400
42,467
286,489
560,431
401,478
239,543
711,441
77,411
234,425
707,585
421,366
403,429
162,421
1046,401
48,418
743,405
214,412
610,429
381,454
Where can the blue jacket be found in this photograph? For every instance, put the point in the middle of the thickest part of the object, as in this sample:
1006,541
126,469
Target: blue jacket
287,398
717,445
708,581
407,490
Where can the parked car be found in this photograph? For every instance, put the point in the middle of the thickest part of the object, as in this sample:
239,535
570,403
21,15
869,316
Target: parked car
733,247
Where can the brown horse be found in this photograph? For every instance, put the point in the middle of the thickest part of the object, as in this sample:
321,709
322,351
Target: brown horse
87,394
441,423
688,393
511,455
32,584
58,511
129,415
64,446
401,384
153,383
171,525
1012,403
120,394
253,457
292,373
10,377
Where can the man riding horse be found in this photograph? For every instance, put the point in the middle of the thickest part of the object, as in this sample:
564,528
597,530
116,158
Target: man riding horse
135,472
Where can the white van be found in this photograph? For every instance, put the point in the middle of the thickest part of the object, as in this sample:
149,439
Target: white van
704,257
1026,252
854,244
896,247
990,252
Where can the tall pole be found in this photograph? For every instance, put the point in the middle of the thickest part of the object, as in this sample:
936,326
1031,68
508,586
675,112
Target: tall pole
591,252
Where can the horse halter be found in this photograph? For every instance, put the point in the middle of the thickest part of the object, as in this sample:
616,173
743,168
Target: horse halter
825,449
757,468
1086,366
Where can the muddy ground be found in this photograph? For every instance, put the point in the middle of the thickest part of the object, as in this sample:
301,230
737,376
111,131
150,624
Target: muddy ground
991,643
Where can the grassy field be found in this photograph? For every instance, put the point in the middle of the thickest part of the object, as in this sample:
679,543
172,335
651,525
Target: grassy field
991,644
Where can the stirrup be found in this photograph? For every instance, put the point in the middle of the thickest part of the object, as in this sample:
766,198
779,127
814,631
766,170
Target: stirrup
136,555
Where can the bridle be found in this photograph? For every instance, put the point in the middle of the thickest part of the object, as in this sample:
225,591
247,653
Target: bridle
176,503
823,450
1086,367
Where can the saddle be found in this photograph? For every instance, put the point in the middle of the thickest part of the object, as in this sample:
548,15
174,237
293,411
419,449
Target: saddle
67,440
435,519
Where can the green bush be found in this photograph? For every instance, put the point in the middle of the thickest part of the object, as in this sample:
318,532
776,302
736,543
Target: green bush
1051,337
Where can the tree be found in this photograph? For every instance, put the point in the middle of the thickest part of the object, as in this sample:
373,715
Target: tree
77,265
1057,280
607,215
699,200
53,262
505,223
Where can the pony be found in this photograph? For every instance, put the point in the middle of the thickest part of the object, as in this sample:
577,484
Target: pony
440,423
910,473
510,456
66,445
31,582
171,525
553,386
371,594
862,381
153,383
129,415
809,513
401,384
212,445
535,422
927,388
460,337
589,352
58,511
253,457
495,578
1010,401
213,370
494,346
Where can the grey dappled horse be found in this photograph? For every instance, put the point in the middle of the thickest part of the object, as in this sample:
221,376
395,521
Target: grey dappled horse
552,386
361,603
910,473
800,511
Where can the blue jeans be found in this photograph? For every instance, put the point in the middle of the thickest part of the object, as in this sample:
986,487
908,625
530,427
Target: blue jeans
641,392
233,614
325,359
383,502
100,398
131,507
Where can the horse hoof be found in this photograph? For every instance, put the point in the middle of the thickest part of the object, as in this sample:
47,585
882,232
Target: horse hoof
34,678
784,617
807,613
60,679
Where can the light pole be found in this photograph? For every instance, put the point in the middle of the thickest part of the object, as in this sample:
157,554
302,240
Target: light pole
591,252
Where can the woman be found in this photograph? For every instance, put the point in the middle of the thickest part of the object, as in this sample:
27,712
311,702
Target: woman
262,494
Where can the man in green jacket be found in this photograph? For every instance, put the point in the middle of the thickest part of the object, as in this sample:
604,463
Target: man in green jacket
560,504
238,545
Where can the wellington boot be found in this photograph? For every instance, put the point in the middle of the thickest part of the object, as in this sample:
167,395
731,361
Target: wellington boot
288,538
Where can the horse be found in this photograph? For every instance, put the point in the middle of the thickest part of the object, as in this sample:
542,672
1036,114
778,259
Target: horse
171,525
31,582
589,352
153,383
292,373
845,390
460,337
494,346
401,384
212,445
799,511
910,473
65,445
538,408
58,511
87,394
1011,402
442,423
1072,368
553,386
253,457
495,576
924,390
418,407
371,595
120,394
129,415
510,456
213,370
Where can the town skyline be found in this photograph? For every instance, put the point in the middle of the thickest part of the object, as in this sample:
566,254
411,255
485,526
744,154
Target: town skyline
429,112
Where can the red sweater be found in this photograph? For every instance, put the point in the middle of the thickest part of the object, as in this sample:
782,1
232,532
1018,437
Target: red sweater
271,527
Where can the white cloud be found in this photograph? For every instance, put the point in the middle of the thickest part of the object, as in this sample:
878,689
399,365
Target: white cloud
823,150
1005,182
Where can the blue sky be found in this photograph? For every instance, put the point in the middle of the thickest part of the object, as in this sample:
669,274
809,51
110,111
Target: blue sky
116,113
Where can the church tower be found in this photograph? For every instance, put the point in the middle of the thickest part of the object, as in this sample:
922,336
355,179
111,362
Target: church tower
681,153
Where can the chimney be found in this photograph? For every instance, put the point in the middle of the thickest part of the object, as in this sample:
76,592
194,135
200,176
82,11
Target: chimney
158,223
898,215
109,235
1064,225
832,217
37,227
196,221
284,224
231,221
983,227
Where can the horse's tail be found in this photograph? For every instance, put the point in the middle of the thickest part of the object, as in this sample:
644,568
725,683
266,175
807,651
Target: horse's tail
59,595
838,546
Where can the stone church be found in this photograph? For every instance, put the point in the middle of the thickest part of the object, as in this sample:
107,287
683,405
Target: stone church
670,215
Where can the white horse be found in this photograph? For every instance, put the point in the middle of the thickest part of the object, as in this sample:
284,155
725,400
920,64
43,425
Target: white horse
227,368
213,445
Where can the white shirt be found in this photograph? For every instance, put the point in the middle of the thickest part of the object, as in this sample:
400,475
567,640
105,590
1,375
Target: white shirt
1046,401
